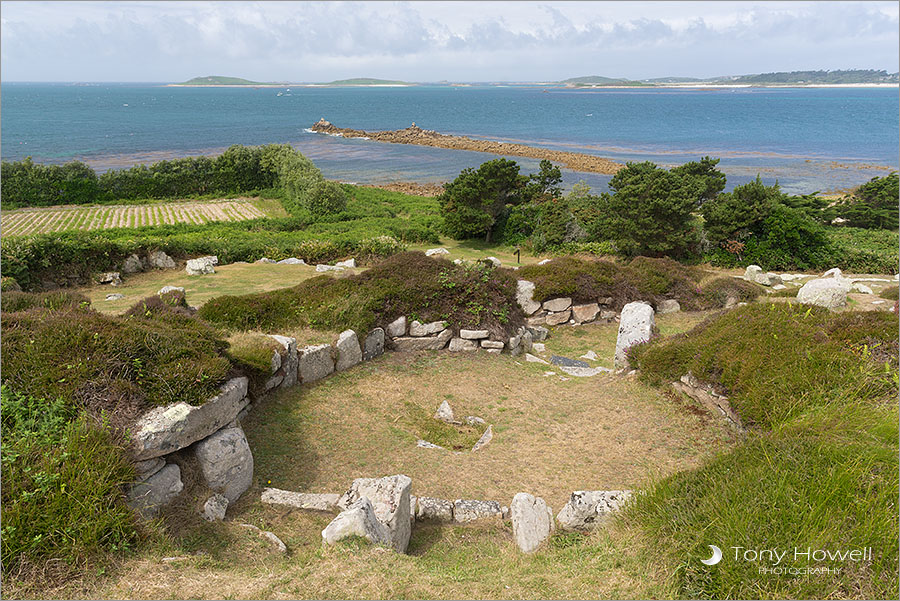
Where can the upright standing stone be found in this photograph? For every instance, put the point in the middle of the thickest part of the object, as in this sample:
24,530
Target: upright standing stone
201,265
532,521
226,462
390,501
358,519
635,326
349,353
374,344
315,362
751,272
288,363
525,297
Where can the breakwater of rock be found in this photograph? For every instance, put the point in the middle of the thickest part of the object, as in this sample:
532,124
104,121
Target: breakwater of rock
413,134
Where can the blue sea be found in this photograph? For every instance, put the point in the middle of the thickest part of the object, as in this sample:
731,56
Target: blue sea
808,139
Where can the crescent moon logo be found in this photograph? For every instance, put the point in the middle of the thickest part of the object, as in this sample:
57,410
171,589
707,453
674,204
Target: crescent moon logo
716,556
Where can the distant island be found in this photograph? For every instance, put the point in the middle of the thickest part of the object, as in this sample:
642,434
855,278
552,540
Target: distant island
848,77
368,81
223,81
780,78
219,80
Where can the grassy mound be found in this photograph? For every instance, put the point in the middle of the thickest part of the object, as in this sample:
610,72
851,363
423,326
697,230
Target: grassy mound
890,293
778,360
644,278
120,365
819,468
411,284
20,301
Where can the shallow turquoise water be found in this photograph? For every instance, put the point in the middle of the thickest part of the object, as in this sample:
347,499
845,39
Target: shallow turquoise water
807,138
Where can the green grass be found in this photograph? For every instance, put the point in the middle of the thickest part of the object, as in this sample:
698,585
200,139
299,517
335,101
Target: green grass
818,469
62,477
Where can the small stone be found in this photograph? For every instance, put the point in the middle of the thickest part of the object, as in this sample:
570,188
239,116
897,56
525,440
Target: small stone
473,334
861,288
112,278
474,420
557,319
778,287
586,508
557,304
493,261
436,251
751,272
461,344
115,297
145,469
324,268
536,321
492,344
132,264
445,413
214,508
538,347
532,359
538,333
668,306
397,327
202,265
590,356
168,289
424,444
485,439
544,261
290,261
265,260
426,343
426,329
160,260
585,313
269,537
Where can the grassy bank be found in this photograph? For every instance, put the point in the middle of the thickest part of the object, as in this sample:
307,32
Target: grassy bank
818,469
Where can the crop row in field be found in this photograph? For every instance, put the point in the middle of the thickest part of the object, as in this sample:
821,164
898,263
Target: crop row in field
22,222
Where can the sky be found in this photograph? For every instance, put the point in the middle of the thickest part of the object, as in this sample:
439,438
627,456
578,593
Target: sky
434,41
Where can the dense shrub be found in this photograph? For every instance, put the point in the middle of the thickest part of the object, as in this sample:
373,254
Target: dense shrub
411,284
644,278
874,205
9,284
62,476
120,365
890,293
472,203
718,291
239,169
161,305
56,299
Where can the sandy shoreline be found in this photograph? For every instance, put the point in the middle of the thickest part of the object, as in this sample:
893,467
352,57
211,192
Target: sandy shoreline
575,161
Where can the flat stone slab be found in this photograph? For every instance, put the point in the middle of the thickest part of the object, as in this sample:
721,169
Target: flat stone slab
164,430
461,344
290,261
300,500
426,329
324,268
473,334
585,372
423,343
485,439
585,313
566,362
532,359
435,510
492,344
436,251
555,305
467,510
557,319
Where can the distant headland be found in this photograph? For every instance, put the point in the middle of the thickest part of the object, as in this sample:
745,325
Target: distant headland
576,161
219,81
